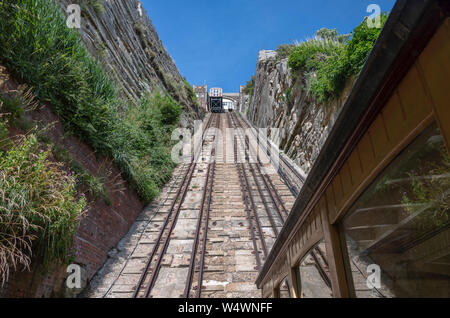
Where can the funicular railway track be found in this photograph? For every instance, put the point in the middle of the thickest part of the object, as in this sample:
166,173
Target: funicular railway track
152,269
243,206
202,232
256,186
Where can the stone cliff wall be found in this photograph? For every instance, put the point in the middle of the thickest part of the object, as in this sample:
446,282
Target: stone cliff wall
102,225
280,102
121,35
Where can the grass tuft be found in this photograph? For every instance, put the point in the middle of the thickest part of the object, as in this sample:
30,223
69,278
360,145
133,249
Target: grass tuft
38,208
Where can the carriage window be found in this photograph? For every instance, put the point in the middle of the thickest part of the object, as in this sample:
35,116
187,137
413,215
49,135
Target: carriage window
314,274
398,233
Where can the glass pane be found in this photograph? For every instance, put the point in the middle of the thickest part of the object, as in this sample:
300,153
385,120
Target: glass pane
397,233
315,275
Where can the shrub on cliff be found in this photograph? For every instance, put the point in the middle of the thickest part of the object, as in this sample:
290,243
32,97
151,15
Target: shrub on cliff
39,208
144,143
310,54
337,69
284,50
331,59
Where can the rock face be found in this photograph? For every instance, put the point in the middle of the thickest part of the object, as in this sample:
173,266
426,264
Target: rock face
121,35
296,121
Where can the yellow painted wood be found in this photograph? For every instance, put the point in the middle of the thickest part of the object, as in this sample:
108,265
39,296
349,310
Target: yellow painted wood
346,178
331,206
334,255
366,152
413,98
394,118
434,63
338,193
379,137
354,165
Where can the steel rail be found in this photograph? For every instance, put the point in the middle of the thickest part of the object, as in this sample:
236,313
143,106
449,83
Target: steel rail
189,279
268,182
172,186
189,173
209,177
266,206
157,268
155,272
205,235
260,191
271,189
161,233
246,203
317,264
246,189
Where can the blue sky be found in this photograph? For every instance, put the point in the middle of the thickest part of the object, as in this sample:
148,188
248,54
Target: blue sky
217,42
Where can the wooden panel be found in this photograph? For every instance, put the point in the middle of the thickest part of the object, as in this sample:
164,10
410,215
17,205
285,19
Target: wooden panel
379,137
394,118
367,155
280,270
334,254
346,178
308,235
332,210
355,167
267,290
338,193
295,286
435,64
413,98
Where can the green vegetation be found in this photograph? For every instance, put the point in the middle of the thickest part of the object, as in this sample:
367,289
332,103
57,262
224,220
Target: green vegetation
12,110
419,180
329,60
38,206
433,191
332,35
190,90
86,181
286,97
284,50
310,55
40,50
249,88
145,134
4,133
15,104
96,4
